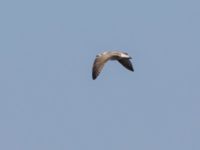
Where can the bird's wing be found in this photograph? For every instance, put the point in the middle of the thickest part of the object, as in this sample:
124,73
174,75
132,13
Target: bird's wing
126,63
98,65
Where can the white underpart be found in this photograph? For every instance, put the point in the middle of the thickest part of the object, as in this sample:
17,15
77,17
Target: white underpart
124,55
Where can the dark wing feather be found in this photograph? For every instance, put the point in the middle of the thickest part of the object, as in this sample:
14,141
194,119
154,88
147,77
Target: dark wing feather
126,63
98,66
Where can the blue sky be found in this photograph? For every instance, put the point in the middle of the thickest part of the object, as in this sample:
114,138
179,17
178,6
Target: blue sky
49,101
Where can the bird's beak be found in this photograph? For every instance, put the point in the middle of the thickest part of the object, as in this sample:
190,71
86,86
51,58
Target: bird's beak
130,57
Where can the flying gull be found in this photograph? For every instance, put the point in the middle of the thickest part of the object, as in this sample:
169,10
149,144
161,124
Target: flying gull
122,57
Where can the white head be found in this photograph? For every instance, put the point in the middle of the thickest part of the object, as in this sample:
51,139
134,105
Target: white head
125,55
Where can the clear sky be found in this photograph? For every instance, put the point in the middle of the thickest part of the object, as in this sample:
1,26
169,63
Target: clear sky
48,100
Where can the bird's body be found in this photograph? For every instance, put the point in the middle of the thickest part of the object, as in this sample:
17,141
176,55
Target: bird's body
102,58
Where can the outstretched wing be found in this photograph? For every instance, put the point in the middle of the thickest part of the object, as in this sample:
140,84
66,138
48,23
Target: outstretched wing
98,65
126,63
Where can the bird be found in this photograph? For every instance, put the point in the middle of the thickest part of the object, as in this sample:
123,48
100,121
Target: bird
122,57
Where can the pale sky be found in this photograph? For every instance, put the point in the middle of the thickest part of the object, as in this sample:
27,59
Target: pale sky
49,101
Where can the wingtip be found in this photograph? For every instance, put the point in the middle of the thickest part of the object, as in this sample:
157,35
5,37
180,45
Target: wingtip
94,77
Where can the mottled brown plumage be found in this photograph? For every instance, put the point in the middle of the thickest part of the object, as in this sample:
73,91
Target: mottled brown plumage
102,58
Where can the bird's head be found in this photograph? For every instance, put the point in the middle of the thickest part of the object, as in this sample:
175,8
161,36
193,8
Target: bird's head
125,55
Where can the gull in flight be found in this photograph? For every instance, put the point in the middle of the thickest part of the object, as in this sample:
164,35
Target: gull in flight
122,57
